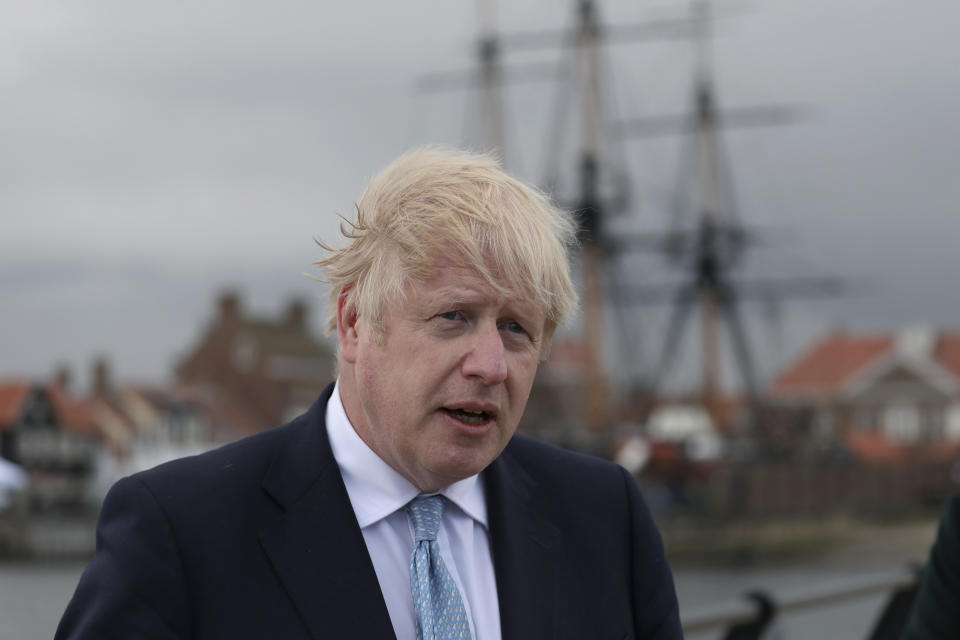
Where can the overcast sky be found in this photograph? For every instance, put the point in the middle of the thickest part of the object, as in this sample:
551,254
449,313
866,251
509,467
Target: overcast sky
152,154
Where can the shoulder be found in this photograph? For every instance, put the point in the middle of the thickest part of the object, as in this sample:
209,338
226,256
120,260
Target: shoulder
585,498
231,480
547,462
578,492
934,614
299,446
172,539
559,478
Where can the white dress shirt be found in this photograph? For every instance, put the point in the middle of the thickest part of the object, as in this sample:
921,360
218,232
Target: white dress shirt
378,493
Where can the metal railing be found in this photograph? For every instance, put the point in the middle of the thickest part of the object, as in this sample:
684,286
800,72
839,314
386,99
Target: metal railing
754,614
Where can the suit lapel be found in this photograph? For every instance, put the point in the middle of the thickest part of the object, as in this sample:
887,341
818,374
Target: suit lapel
525,549
316,546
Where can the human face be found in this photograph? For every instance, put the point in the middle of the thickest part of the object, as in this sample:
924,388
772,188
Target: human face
441,391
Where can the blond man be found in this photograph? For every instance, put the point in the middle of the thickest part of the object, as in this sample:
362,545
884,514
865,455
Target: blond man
402,504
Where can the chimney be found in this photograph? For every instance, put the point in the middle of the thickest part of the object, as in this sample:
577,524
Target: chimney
296,314
62,376
101,376
229,308
916,342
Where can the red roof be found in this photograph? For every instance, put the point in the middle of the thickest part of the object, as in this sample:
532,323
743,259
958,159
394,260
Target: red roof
831,362
947,352
12,397
72,412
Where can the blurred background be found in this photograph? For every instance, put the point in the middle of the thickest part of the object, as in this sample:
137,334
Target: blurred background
768,193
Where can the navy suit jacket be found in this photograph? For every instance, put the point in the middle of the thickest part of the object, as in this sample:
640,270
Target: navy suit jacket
258,539
935,615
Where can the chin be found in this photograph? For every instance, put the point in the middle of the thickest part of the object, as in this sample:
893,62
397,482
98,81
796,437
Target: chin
463,464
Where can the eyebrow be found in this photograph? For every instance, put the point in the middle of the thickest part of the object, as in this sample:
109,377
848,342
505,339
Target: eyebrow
451,295
522,309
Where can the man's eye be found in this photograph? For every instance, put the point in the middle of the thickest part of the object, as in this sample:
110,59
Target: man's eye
449,315
515,327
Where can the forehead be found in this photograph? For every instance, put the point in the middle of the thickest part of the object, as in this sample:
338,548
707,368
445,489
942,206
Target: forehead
452,283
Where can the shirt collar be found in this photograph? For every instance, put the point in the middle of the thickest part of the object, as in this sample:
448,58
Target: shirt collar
375,488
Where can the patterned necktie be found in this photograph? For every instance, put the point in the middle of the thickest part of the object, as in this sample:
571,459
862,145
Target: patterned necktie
440,612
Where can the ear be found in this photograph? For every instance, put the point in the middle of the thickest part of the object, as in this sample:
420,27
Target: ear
347,326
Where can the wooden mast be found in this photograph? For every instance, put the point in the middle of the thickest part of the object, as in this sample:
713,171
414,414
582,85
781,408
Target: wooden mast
596,400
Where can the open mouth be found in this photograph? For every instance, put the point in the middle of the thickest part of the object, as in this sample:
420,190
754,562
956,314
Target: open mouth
468,415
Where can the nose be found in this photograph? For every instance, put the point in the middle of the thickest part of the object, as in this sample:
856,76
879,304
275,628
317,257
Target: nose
486,358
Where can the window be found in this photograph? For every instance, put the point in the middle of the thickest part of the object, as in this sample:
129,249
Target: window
901,422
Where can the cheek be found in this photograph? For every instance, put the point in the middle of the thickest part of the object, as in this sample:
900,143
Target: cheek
521,382
524,371
389,379
373,376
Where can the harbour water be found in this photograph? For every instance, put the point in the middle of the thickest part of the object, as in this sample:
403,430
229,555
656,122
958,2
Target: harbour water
853,619
33,596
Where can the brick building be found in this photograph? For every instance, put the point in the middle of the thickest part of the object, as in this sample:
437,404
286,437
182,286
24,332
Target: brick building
274,369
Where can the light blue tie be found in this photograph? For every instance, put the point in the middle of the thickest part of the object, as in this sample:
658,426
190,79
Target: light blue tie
440,612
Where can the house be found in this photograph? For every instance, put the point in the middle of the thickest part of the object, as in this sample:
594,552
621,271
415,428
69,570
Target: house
50,433
274,369
884,396
141,426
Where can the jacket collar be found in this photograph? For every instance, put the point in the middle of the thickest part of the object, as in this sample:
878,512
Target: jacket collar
316,546
525,548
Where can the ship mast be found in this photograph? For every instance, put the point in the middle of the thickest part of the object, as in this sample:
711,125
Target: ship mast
490,79
710,211
710,248
590,210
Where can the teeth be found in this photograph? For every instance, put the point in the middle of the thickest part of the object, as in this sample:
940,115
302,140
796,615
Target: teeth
470,416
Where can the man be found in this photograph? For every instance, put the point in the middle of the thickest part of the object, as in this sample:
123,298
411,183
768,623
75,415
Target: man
401,504
934,614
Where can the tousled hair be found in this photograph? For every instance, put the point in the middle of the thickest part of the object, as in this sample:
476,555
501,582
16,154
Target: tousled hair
439,203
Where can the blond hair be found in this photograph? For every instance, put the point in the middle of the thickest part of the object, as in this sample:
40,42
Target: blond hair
438,202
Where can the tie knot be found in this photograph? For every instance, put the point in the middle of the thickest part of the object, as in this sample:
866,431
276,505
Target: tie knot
426,512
